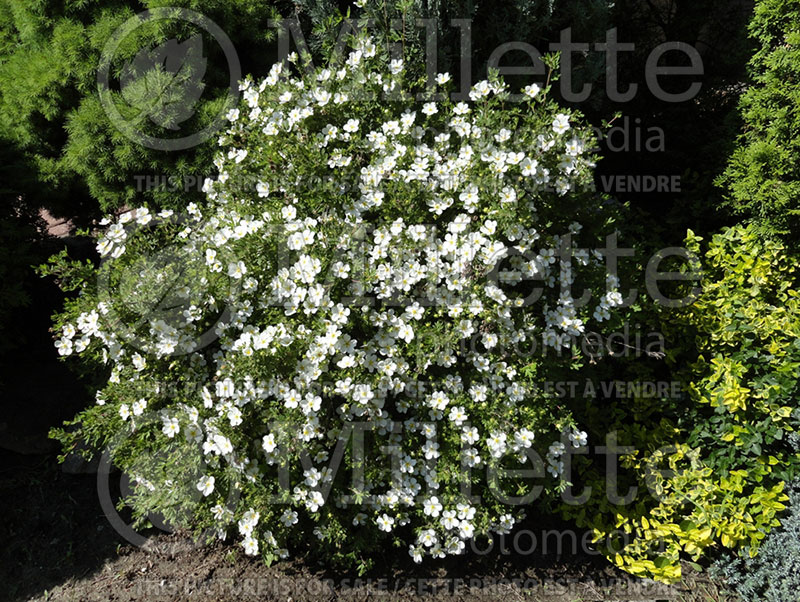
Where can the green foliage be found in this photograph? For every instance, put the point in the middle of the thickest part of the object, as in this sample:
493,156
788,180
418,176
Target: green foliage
774,574
725,443
763,176
747,333
715,460
492,24
51,113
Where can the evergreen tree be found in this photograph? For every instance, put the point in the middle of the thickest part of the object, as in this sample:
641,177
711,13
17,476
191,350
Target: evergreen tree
762,178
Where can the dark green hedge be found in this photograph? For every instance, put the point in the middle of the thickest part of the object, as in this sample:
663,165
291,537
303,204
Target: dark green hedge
762,179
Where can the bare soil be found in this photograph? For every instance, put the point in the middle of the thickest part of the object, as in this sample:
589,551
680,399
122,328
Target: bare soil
60,546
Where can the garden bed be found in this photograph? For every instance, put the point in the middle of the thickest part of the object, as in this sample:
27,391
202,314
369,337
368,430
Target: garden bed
61,547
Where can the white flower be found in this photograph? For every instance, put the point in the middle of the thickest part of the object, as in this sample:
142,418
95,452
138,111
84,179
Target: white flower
429,108
225,388
578,438
469,435
250,517
574,147
312,477
528,166
250,545
322,96
560,123
369,48
531,90
105,246
439,400
442,78
193,433
480,90
385,522
206,485
292,399
430,450
139,362
556,468
289,518
502,136
237,269
235,416
139,407
465,529
314,501
223,445
220,513
268,443
469,197
508,195
514,158
354,59
232,115
505,524
64,346
124,411
427,538
496,444
449,520
88,322
465,511
524,438
457,415
432,507
171,427
263,189
143,216
362,393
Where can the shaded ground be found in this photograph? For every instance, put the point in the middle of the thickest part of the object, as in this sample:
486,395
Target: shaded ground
59,546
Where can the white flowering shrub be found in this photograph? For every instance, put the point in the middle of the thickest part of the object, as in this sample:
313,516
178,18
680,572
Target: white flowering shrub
347,343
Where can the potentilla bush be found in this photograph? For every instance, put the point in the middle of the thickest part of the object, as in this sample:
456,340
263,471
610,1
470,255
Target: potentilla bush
346,343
